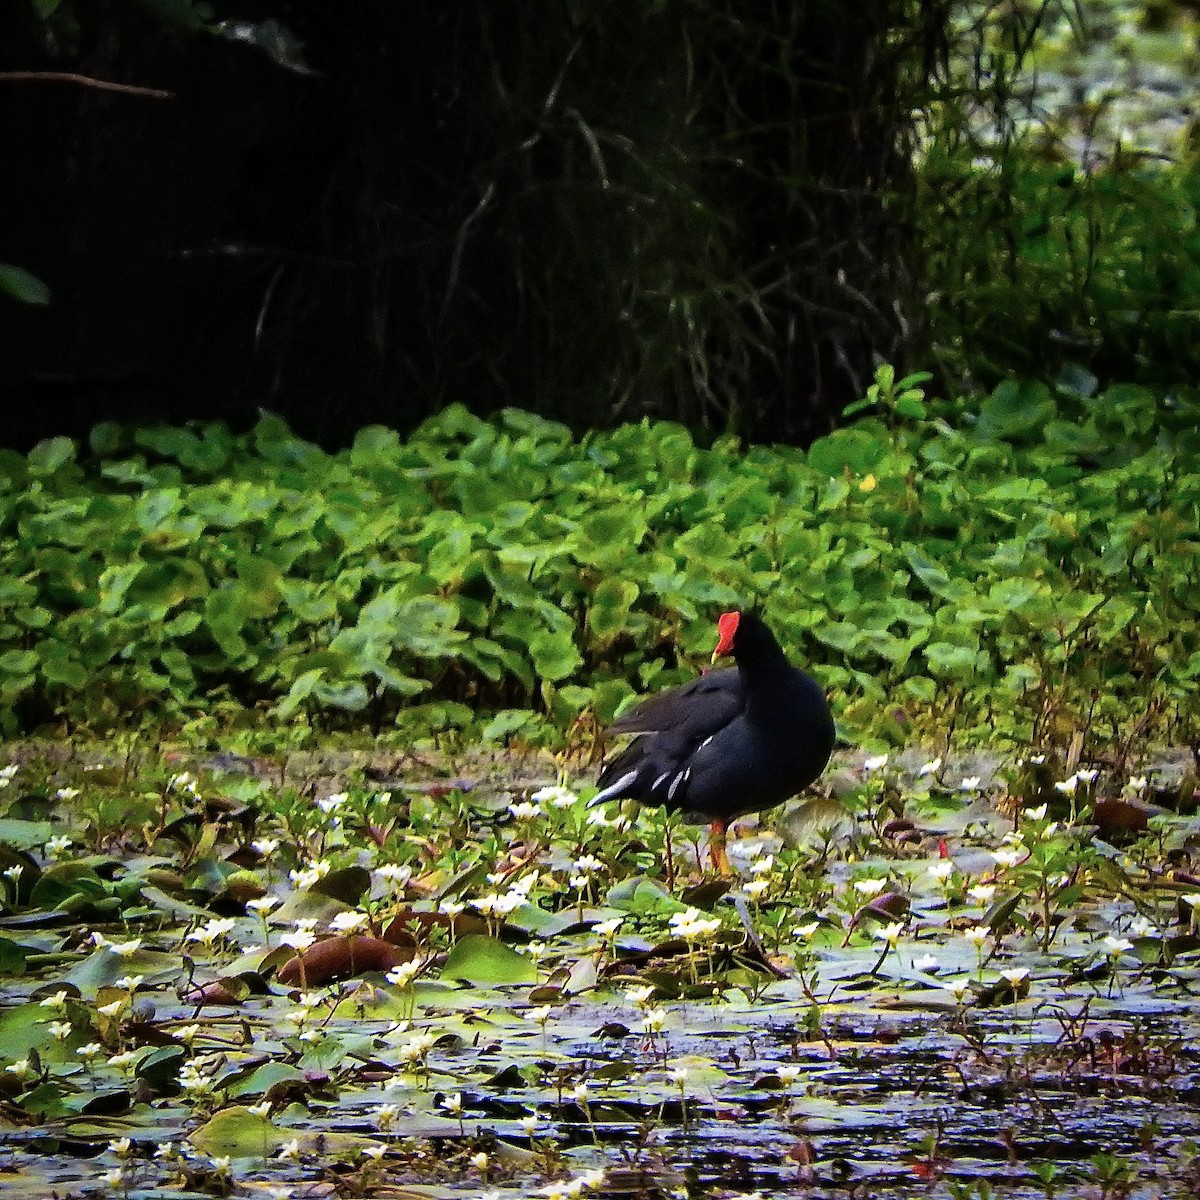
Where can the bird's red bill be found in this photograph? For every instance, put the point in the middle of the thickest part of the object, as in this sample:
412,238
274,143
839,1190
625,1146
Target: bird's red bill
727,625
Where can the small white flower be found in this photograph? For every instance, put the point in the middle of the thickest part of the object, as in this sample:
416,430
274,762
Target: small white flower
523,886
66,793
15,873
385,1116
125,949
640,997
479,1161
60,1030
890,933
982,893
541,1015
451,908
262,904
970,784
453,1104
57,846
1087,774
680,1075
499,905
932,767
869,887
588,863
304,878
1067,786
523,810
762,866
21,1068
789,1074
927,963
531,1123
1008,857
958,988
876,763
332,803
211,931
348,922
265,846
556,794
403,974
1138,784
806,931
1036,814
655,1020
7,774
300,939
111,1010
976,935
376,1151
1117,946
1036,759
1016,975
131,983
608,929
754,888
290,1150
58,1000
90,1051
262,1109
394,875
580,1093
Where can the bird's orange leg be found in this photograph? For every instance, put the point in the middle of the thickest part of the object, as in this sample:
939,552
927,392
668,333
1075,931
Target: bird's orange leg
669,855
716,847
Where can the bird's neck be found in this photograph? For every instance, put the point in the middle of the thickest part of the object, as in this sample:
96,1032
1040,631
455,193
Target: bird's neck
761,678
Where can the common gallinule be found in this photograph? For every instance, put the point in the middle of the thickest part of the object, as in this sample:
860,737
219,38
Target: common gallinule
733,741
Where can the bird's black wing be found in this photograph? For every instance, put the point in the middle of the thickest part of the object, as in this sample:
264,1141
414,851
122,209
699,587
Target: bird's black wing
705,704
672,726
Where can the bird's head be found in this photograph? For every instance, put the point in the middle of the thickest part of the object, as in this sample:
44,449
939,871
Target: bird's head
727,627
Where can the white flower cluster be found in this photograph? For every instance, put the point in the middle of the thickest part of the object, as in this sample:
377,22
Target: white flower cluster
307,876
691,925
556,796
1070,785
417,1049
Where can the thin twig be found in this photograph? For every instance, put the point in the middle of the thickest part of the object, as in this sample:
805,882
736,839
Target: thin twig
104,85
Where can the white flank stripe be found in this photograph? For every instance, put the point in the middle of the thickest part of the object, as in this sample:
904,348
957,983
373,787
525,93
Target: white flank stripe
654,785
675,783
613,789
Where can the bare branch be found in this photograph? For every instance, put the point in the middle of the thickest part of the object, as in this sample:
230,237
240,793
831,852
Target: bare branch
104,85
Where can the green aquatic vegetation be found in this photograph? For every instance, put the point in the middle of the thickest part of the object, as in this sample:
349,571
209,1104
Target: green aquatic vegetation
500,580
221,973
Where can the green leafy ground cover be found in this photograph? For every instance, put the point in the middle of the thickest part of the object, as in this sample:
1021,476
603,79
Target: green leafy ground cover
241,966
1026,573
377,976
